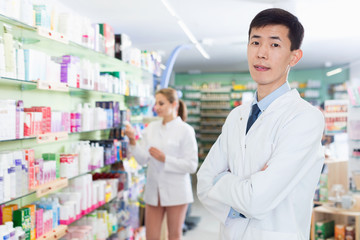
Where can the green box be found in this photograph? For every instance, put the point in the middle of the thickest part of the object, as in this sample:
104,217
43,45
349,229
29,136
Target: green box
53,157
22,218
324,229
324,180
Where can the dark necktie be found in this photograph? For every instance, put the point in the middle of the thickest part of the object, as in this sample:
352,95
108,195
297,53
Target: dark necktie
254,115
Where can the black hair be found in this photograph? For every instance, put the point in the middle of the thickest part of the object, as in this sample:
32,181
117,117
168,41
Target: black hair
278,16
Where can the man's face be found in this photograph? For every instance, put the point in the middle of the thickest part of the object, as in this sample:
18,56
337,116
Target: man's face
270,57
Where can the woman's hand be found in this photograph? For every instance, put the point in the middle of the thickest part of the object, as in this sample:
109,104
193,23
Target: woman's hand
130,133
157,154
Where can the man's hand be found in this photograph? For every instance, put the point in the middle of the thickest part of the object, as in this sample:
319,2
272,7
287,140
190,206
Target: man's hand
264,167
157,154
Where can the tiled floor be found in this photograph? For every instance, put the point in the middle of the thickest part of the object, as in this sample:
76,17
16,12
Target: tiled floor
207,228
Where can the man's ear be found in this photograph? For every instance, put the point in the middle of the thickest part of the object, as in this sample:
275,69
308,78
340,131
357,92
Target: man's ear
296,55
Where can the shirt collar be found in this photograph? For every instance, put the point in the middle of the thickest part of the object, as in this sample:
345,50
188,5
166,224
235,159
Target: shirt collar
172,122
266,101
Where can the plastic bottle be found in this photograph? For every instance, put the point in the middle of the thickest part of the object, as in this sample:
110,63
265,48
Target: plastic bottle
19,233
57,209
25,176
85,118
2,57
1,186
11,230
18,171
5,232
4,162
11,170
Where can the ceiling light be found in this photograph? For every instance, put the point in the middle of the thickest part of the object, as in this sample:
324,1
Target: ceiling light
162,66
202,51
169,8
187,32
333,72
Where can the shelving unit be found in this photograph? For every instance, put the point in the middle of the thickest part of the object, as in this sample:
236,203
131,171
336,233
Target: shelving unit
214,107
55,234
60,97
191,98
208,109
57,45
338,215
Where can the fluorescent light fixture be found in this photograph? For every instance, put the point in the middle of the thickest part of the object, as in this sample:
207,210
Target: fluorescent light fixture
162,66
333,72
169,8
202,51
188,32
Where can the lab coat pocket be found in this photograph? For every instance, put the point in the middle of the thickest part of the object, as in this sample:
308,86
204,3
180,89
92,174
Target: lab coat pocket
259,234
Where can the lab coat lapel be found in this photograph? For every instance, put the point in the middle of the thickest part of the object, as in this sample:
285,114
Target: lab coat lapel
244,115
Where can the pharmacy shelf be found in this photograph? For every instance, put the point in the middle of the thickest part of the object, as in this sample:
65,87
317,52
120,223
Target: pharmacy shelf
242,90
208,139
55,185
42,190
214,115
56,44
216,108
215,99
51,187
100,169
340,216
211,131
51,137
210,123
216,91
54,234
48,86
92,209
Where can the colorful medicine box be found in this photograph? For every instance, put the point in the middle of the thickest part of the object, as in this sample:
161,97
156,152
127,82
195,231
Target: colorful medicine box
53,157
32,208
22,218
7,212
39,222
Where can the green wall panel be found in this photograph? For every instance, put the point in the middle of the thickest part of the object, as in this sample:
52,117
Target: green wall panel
226,79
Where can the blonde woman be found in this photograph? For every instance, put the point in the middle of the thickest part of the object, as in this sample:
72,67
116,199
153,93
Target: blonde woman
169,148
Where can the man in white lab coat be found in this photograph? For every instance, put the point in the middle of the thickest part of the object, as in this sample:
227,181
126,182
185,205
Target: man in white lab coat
260,176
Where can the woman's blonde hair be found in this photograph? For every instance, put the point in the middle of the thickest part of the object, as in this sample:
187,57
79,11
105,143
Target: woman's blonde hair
171,96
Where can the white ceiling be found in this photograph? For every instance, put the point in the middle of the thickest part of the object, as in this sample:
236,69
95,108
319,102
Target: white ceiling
332,32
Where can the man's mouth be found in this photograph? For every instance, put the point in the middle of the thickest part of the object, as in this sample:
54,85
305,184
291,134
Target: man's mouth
261,68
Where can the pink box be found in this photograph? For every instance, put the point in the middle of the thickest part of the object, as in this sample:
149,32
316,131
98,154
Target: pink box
28,124
39,222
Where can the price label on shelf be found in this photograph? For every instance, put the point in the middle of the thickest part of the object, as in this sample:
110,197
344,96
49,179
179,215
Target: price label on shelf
61,87
52,137
51,187
52,35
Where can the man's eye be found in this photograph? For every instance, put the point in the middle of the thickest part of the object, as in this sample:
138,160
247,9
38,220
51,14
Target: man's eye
275,45
255,43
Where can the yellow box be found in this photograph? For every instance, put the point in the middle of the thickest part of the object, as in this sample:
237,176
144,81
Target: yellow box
8,212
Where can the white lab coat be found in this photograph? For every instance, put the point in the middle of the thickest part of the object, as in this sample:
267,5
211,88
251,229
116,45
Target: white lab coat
278,201
170,180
